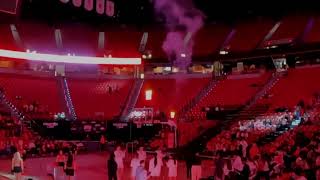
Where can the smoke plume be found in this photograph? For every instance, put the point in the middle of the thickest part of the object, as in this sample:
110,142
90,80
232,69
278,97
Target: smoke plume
183,21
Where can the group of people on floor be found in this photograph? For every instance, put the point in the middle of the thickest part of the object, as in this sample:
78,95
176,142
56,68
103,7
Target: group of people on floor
138,165
65,165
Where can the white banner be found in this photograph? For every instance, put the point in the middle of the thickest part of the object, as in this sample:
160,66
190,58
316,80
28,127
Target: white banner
88,5
77,3
100,6
110,8
120,125
64,1
50,125
87,128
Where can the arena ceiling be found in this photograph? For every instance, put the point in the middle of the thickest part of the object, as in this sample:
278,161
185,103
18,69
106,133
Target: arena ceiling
141,11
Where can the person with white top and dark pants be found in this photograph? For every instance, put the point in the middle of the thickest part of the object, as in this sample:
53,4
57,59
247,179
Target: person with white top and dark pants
172,165
119,156
135,163
141,172
155,165
142,155
196,170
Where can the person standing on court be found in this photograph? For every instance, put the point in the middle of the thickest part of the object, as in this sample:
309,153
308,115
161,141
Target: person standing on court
112,168
119,156
196,171
141,173
70,166
17,166
135,163
172,165
155,165
142,155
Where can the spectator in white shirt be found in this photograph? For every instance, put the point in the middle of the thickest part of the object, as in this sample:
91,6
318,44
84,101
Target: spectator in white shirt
172,165
135,163
119,156
155,165
142,155
244,145
141,173
237,163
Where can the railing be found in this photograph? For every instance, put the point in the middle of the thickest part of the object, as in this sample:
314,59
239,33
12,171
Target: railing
272,80
132,99
14,111
67,98
188,106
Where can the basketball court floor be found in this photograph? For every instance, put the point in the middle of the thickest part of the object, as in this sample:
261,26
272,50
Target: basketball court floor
89,167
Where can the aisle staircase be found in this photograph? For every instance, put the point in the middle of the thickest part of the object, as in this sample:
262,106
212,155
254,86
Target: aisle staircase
24,122
132,99
65,92
11,107
188,106
253,108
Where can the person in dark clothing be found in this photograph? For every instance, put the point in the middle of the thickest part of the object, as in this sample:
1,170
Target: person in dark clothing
196,171
112,168
246,170
219,163
219,168
69,166
287,158
189,164
73,150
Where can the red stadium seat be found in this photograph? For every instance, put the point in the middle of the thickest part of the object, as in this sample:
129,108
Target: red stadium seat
300,84
80,40
249,34
229,92
314,36
290,28
123,43
210,39
170,94
91,97
42,90
38,37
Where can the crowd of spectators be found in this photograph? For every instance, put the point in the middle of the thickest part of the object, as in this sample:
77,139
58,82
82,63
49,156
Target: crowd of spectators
292,154
35,110
30,145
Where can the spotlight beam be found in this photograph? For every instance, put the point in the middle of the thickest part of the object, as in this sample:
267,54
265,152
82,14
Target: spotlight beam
68,59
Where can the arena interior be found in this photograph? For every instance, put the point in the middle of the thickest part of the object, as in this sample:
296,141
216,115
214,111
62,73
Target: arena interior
159,90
